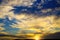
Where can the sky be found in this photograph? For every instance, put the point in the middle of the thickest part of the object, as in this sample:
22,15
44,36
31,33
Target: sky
29,16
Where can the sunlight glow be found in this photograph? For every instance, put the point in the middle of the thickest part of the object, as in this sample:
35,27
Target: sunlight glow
37,37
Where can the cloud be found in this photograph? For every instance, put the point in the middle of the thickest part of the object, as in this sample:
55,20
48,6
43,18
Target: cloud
29,23
46,10
18,2
58,1
1,28
5,10
36,24
4,32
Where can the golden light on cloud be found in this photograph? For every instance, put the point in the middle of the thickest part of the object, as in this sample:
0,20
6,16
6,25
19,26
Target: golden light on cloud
29,24
1,28
37,24
4,33
5,10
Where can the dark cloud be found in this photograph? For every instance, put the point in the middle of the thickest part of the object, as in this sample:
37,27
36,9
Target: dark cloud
1,1
52,36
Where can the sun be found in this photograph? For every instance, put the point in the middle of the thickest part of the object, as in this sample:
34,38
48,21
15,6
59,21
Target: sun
37,37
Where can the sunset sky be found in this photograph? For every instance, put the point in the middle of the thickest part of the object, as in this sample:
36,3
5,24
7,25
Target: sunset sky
29,16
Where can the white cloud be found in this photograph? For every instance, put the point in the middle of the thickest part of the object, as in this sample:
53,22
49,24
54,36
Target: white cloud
46,10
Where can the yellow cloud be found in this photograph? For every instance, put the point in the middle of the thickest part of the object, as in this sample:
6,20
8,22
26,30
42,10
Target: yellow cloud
5,8
3,32
31,22
5,11
1,28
